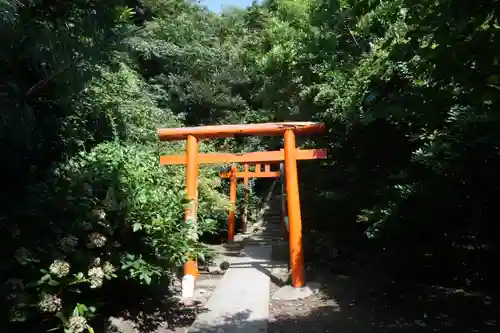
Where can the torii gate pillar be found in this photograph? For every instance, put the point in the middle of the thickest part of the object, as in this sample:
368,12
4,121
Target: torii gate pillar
232,211
294,216
191,267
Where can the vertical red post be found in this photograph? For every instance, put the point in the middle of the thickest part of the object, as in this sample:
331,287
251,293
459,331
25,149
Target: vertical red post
294,216
191,267
245,208
232,199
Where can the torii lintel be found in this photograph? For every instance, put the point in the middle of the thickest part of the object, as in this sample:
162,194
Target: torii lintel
225,131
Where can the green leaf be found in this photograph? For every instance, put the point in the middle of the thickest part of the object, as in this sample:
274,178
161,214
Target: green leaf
53,283
45,278
82,308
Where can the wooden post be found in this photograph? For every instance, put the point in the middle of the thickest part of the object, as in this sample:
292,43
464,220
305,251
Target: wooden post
191,266
294,217
244,219
232,199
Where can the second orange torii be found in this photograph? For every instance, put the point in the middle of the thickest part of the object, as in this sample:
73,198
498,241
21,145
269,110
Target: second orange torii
267,157
246,173
234,174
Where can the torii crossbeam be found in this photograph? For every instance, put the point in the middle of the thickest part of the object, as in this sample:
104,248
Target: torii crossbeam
290,155
275,156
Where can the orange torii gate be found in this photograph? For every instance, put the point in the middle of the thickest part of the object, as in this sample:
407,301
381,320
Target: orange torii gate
234,174
290,155
271,157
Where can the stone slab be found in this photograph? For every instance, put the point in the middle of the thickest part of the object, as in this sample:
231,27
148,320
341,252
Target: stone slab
240,303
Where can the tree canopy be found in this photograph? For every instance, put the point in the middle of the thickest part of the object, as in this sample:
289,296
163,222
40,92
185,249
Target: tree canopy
407,89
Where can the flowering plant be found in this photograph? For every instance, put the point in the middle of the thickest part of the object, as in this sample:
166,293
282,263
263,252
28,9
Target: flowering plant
107,217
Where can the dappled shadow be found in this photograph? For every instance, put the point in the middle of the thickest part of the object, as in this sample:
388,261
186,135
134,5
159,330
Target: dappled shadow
354,304
146,310
264,268
357,303
149,319
351,312
239,322
154,316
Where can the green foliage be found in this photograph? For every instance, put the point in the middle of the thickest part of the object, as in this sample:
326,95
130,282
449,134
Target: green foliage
85,206
410,108
410,104
112,209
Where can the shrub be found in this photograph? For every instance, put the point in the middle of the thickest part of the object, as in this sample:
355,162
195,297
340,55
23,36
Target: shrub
110,213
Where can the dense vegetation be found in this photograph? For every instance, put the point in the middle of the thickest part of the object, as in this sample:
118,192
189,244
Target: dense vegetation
408,91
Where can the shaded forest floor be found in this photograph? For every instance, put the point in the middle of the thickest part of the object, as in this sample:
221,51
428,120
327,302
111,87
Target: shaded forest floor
356,301
159,310
346,303
362,302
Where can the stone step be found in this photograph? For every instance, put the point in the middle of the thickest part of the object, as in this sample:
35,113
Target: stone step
270,227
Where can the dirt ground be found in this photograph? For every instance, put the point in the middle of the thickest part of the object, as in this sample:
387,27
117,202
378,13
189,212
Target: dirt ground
349,303
163,313
357,304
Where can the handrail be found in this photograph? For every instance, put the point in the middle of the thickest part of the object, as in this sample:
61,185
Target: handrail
284,212
284,215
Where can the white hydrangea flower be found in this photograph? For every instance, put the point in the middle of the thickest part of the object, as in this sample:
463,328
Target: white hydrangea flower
99,213
16,315
68,243
96,276
77,324
50,303
59,268
96,261
96,240
108,268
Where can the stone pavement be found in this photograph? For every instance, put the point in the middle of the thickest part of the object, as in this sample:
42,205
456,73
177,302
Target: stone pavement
240,303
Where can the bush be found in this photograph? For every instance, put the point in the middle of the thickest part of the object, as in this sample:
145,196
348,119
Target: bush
111,213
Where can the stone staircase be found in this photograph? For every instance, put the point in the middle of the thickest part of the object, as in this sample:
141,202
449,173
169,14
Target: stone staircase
269,230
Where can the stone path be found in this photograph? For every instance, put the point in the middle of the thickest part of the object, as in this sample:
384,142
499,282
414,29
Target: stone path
240,303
